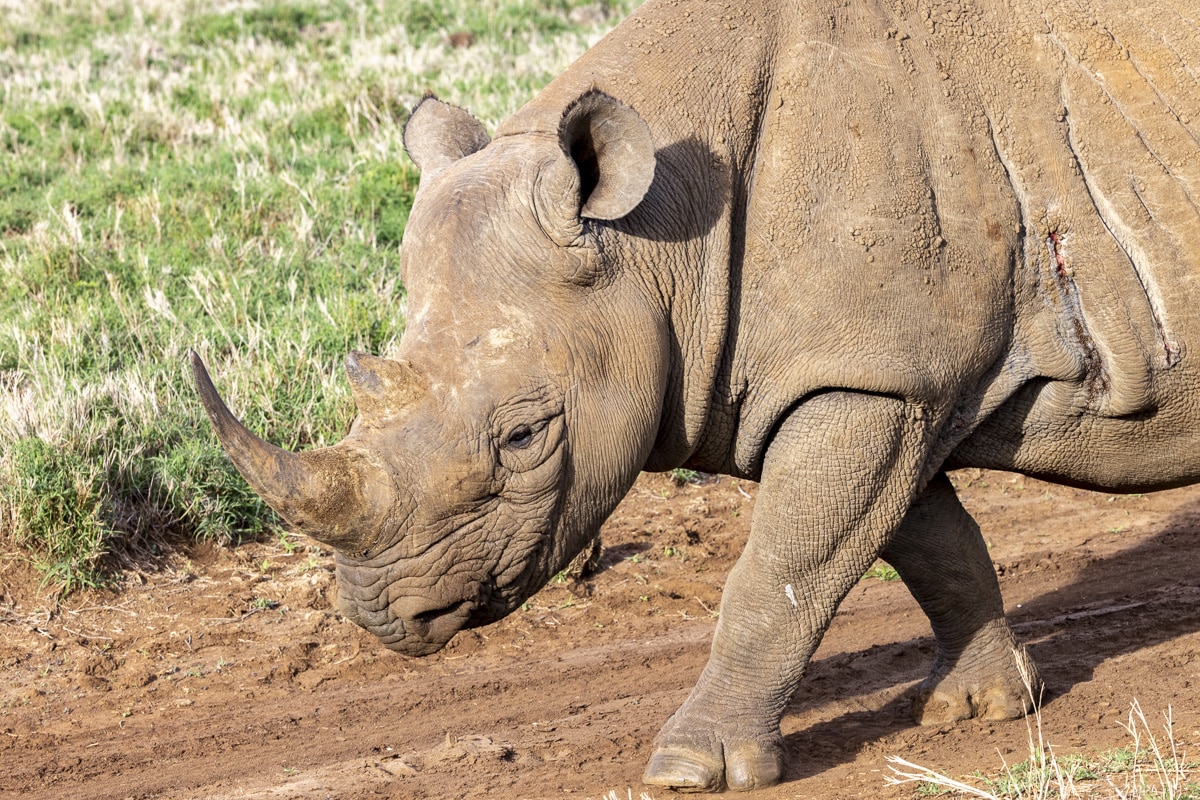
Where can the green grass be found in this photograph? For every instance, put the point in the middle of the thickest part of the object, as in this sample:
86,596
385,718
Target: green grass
682,477
882,571
230,179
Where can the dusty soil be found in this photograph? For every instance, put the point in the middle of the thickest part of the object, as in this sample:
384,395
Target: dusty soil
227,674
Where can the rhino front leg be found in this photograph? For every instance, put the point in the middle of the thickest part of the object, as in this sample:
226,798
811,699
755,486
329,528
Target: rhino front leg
979,670
837,480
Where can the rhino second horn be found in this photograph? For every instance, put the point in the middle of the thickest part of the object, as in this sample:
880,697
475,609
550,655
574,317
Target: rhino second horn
333,494
381,386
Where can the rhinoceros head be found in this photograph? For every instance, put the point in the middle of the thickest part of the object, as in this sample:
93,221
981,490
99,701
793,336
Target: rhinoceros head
525,395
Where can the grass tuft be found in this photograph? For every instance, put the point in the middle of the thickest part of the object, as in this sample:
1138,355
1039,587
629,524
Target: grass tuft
200,491
682,477
882,571
1150,768
54,507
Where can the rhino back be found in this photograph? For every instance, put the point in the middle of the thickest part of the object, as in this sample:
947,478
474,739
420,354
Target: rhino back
954,154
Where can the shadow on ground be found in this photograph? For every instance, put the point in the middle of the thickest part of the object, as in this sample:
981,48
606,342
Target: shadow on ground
1135,599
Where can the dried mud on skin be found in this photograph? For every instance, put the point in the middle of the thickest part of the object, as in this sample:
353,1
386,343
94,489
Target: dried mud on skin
228,677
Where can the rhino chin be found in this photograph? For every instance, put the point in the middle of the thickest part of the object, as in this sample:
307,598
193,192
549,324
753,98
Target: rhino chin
407,646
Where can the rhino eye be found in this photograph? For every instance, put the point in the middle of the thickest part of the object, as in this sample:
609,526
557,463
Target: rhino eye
520,438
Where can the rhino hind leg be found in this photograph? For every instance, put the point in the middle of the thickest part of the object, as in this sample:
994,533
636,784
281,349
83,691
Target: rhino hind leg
980,669
997,680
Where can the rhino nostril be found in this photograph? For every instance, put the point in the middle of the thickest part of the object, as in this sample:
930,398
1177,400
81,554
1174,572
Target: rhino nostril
418,625
422,623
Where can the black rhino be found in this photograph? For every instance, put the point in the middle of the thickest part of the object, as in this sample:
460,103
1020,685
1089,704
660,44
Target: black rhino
836,247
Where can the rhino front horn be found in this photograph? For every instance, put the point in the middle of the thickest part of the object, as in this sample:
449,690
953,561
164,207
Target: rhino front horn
334,494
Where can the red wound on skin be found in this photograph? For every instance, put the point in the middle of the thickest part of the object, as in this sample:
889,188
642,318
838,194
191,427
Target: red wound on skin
1054,241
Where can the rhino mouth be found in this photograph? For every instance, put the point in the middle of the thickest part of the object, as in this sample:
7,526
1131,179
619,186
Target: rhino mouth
423,620
419,634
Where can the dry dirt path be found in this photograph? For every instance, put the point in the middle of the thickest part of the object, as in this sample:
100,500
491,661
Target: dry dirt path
227,675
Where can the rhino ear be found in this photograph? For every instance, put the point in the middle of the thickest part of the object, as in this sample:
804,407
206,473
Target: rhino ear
437,134
612,151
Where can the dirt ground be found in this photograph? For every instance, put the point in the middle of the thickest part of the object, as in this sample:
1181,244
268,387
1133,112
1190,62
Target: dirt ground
227,674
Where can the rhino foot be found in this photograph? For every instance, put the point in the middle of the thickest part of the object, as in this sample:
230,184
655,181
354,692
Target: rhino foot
996,682
704,765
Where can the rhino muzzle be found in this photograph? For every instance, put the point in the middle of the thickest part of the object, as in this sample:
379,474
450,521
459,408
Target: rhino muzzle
415,624
420,634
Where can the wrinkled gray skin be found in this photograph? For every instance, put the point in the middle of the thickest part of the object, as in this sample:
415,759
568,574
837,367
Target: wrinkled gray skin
836,247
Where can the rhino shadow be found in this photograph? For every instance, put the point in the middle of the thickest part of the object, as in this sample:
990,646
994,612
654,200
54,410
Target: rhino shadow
686,197
1137,598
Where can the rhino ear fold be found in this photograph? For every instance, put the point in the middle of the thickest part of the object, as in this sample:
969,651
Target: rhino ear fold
613,151
437,134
